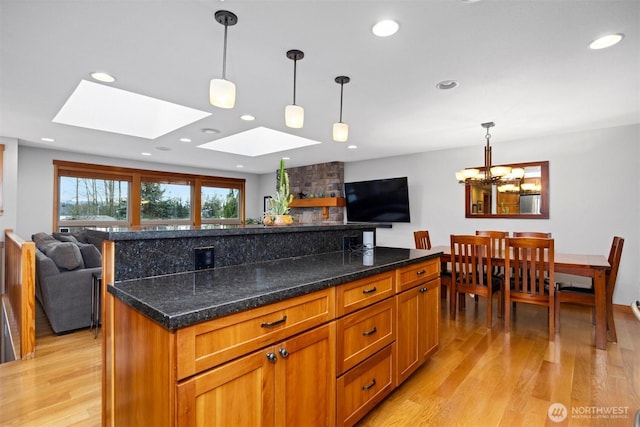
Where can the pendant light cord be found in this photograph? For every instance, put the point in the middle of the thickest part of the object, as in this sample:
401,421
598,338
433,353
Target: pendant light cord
295,63
341,92
224,54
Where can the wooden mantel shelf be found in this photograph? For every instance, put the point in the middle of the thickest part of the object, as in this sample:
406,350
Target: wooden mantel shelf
319,202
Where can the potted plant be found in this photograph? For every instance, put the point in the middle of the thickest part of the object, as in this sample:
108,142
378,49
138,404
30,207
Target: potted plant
278,214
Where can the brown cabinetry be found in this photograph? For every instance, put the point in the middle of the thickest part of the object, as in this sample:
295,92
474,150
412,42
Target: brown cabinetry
282,385
322,359
418,316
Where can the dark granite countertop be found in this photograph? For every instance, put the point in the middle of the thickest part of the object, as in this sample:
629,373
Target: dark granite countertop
206,230
183,299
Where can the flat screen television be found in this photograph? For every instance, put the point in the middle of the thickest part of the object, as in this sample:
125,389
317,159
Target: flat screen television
380,200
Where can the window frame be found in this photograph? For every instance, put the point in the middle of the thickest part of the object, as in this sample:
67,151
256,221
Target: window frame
135,177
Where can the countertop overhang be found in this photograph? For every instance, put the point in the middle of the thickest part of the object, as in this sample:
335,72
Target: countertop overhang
184,299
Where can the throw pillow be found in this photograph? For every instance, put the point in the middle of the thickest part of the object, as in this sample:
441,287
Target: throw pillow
65,237
90,255
43,241
66,255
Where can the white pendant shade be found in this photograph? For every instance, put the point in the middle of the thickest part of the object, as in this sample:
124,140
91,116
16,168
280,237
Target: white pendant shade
340,132
222,93
294,116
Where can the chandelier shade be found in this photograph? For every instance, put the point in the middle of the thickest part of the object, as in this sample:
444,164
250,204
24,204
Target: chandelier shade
491,174
222,92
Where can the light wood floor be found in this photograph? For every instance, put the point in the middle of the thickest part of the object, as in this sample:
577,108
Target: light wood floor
479,377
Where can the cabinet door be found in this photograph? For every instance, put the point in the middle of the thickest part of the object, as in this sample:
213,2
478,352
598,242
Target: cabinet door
431,317
409,355
418,322
239,393
306,379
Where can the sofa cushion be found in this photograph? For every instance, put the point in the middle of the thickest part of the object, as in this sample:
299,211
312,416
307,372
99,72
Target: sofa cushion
65,237
43,241
90,255
66,255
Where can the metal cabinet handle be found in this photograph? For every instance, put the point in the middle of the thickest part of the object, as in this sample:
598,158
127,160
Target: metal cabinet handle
368,291
272,324
271,357
370,386
283,352
420,273
371,332
423,290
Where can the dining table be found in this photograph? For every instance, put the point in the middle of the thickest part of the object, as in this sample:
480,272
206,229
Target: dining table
585,265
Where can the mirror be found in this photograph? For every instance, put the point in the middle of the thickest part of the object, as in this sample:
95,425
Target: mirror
526,198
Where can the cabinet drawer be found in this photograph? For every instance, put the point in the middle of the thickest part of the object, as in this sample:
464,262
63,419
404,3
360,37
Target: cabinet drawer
363,333
363,387
364,292
211,343
415,274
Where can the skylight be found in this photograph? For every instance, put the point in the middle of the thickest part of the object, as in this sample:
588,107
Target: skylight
258,142
100,107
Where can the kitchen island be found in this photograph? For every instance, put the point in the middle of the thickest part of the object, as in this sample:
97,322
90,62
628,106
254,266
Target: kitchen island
317,339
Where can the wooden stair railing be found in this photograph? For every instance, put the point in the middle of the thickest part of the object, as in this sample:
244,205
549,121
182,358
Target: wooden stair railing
19,298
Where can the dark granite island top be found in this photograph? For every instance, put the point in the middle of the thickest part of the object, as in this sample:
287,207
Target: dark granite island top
184,299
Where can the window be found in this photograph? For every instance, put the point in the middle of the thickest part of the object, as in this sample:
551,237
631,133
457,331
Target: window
219,204
161,201
94,195
84,201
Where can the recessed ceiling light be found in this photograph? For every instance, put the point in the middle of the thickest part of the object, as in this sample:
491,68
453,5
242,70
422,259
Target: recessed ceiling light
286,158
606,41
185,140
210,131
45,139
385,28
352,147
103,77
247,117
447,84
146,154
163,148
239,166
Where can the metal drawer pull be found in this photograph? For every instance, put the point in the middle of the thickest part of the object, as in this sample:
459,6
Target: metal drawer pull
370,386
272,324
271,357
420,273
371,332
368,291
283,352
423,290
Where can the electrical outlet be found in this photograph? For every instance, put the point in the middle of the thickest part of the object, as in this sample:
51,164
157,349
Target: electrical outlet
203,258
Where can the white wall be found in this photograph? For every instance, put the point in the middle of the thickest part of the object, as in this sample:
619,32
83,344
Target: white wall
594,195
35,178
9,192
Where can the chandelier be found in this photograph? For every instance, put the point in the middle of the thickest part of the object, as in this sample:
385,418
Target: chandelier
506,177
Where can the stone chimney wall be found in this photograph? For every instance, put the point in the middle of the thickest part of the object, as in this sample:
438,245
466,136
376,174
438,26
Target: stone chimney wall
321,180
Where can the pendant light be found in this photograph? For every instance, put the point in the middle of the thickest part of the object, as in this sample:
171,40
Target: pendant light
294,114
340,129
222,92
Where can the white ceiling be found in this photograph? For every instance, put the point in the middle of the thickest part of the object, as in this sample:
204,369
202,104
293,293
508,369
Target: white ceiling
523,64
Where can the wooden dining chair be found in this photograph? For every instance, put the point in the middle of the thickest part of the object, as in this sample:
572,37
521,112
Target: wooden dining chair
538,234
498,240
471,272
570,293
529,268
423,241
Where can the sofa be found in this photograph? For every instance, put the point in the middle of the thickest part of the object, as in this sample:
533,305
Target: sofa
65,265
